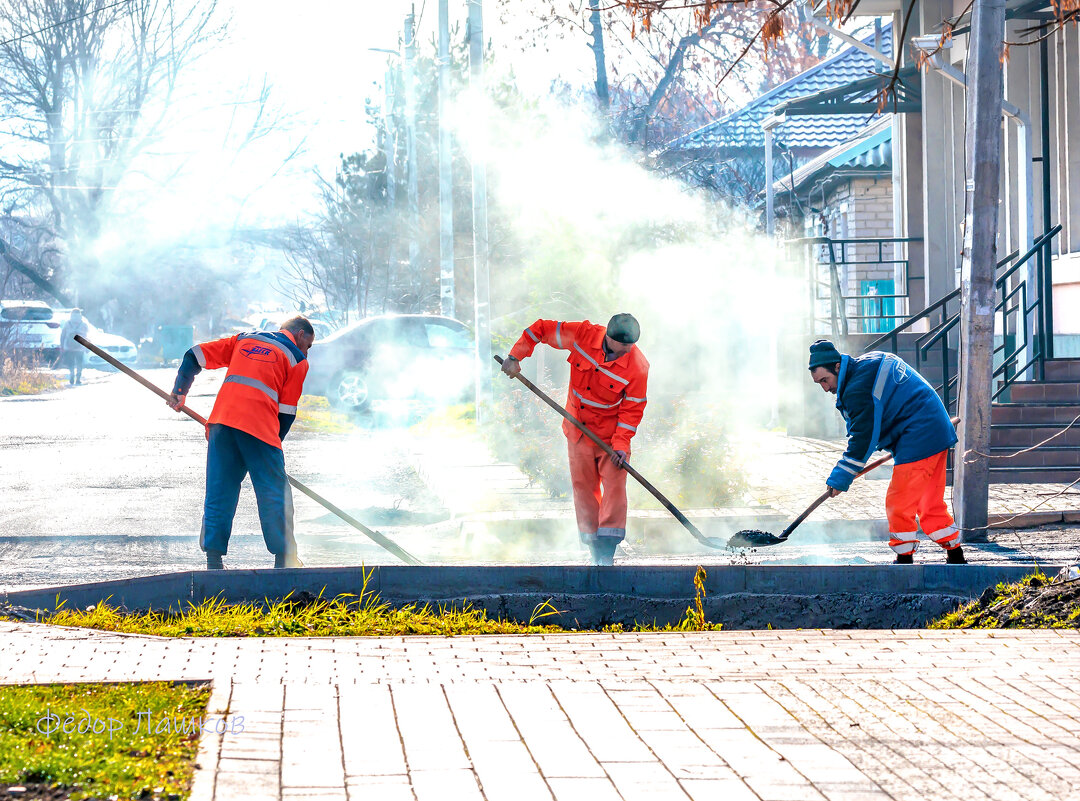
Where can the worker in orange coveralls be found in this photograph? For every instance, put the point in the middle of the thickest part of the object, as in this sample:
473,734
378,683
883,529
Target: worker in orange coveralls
608,376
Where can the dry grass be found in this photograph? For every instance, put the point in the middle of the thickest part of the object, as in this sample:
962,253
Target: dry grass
314,413
18,377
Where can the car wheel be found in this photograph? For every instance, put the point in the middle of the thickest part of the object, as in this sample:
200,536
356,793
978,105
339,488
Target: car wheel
349,390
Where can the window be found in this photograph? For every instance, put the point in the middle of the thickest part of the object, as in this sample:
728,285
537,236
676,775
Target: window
443,336
29,313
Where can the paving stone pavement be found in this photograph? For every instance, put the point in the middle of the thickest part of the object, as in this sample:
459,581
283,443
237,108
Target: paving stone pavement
765,715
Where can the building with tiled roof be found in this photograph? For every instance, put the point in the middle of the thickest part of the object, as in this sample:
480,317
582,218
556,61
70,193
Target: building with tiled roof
732,148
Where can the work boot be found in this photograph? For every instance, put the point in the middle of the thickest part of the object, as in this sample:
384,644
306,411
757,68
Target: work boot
287,560
603,551
213,560
955,556
905,559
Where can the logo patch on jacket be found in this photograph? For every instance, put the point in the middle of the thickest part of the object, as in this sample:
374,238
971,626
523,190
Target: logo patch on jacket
259,353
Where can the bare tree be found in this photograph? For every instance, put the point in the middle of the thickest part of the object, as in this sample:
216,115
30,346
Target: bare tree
85,87
663,70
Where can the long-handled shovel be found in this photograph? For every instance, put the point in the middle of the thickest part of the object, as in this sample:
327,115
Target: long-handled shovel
380,539
711,542
754,538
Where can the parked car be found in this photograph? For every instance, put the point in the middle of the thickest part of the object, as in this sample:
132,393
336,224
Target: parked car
121,349
322,328
393,360
27,327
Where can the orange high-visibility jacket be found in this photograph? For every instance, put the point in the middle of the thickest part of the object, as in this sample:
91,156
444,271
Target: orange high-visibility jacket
265,378
608,397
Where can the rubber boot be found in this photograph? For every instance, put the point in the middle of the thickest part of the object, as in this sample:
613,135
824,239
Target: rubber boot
213,561
905,559
603,551
955,556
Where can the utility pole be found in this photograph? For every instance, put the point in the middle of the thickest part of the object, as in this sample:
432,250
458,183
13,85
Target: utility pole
409,46
480,219
446,178
391,177
982,190
603,96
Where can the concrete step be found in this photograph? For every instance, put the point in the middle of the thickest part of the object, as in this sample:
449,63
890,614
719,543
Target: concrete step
1046,456
1021,435
1035,412
1054,391
1063,369
1034,475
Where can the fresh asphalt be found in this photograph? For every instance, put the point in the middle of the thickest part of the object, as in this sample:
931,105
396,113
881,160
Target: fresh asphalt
102,481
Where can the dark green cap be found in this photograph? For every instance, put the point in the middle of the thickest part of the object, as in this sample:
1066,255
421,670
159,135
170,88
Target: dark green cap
624,328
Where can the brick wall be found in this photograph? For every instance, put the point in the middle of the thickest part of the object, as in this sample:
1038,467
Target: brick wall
859,208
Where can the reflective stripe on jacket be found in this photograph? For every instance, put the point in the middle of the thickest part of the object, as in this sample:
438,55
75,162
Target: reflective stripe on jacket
887,405
608,397
265,378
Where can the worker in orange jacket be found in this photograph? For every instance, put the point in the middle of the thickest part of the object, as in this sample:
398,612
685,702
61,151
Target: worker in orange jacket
253,412
608,377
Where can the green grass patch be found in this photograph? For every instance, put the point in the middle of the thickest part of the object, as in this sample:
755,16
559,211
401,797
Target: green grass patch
342,616
347,615
1034,602
314,413
122,741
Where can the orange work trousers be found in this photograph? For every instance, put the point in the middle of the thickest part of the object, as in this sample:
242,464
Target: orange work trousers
916,497
599,493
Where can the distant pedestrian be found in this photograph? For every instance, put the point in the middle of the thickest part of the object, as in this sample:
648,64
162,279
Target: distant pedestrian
74,354
253,412
888,406
608,377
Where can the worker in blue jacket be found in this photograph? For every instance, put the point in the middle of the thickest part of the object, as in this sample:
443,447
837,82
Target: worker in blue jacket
888,406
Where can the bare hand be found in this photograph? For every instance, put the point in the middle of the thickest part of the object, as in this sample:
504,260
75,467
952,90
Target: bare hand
176,401
833,491
511,366
620,458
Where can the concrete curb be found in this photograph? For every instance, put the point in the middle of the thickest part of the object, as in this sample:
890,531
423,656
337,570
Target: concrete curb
399,584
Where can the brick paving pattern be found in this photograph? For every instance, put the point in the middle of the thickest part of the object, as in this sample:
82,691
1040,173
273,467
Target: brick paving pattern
766,715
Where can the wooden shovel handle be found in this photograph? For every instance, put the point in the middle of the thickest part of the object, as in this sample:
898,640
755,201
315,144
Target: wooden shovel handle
825,495
378,538
611,452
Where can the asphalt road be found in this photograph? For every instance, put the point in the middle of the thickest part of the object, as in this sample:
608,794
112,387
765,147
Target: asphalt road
103,480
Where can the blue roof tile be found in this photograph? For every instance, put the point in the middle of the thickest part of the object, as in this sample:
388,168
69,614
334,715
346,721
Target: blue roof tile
742,128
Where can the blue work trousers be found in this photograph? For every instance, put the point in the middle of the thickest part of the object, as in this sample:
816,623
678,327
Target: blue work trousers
232,455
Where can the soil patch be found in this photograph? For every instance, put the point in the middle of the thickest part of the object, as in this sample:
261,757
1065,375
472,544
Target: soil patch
1035,602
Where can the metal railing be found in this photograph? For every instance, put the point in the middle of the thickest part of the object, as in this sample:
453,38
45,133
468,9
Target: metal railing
834,265
1023,316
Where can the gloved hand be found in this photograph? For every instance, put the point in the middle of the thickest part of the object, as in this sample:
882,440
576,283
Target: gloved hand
620,458
511,366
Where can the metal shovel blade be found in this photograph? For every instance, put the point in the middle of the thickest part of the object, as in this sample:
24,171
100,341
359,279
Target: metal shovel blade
753,538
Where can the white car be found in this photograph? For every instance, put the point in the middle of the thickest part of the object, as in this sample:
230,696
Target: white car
29,326
123,350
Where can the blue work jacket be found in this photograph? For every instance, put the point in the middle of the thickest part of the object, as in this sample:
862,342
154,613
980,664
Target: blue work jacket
887,406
